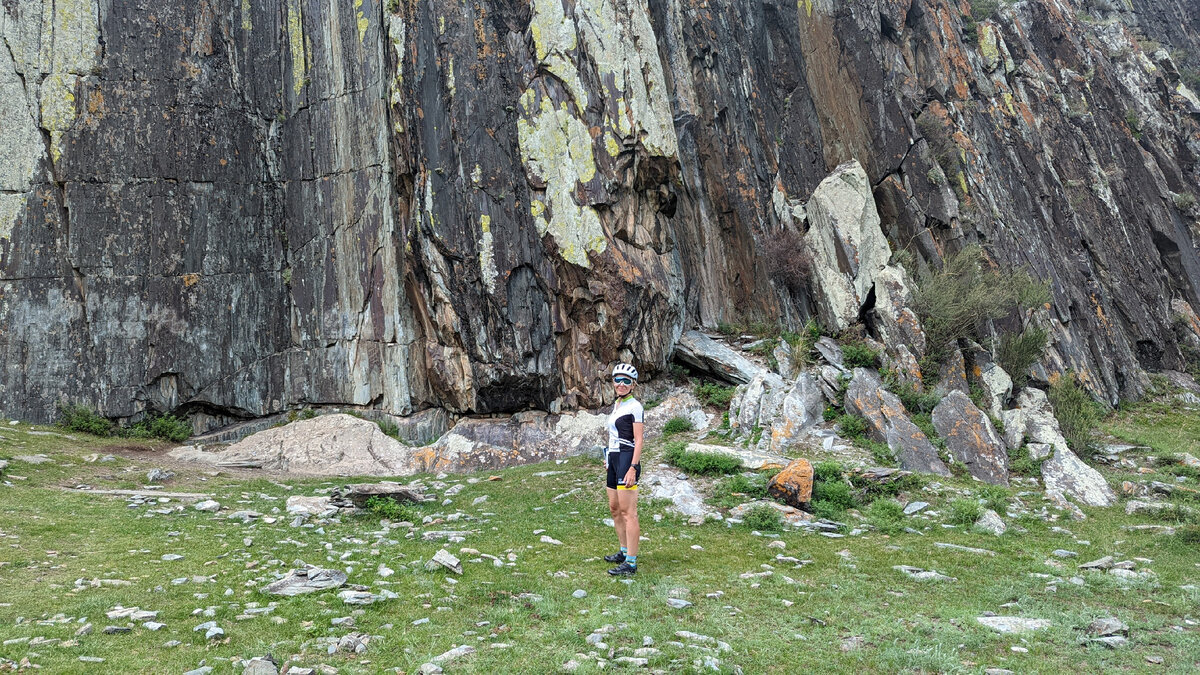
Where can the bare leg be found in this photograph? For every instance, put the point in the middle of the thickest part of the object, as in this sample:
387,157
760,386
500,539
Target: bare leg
618,516
628,504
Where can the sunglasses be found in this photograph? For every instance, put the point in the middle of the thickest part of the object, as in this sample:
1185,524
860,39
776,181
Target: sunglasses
622,380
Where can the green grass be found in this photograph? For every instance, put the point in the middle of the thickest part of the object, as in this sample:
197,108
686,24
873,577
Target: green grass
965,512
711,393
852,426
739,489
887,515
85,420
701,463
763,518
1077,412
859,355
677,425
53,537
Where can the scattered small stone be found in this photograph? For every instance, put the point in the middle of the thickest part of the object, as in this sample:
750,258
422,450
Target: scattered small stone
91,659
153,625
991,523
455,653
1063,553
446,559
852,643
579,593
308,580
678,603
202,670
915,507
1102,564
1112,641
550,540
964,549
1154,659
159,476
117,630
1107,626
208,505
922,575
172,556
260,666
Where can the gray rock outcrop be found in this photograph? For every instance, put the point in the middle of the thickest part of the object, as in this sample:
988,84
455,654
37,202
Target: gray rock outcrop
887,422
971,438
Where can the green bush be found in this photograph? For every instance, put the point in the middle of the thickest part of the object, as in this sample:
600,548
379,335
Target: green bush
763,518
703,463
381,506
924,422
711,393
880,452
826,471
1175,514
954,301
677,425
1017,353
887,515
389,428
982,10
915,402
859,355
166,427
739,488
994,497
1076,411
80,418
1020,463
869,490
1189,535
835,493
831,413
965,511
1181,469
852,426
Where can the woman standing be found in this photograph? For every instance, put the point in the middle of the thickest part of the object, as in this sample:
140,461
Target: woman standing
623,462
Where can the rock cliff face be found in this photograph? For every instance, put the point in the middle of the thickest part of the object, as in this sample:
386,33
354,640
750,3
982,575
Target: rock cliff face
229,208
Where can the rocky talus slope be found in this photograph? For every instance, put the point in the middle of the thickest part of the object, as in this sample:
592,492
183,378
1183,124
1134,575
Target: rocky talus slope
231,209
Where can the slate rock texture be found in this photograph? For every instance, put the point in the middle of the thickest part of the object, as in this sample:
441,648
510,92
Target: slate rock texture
971,438
888,422
228,210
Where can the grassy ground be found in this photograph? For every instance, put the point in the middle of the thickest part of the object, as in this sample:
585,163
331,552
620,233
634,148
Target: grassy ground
846,611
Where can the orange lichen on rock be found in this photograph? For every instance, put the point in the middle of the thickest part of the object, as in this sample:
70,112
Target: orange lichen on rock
794,484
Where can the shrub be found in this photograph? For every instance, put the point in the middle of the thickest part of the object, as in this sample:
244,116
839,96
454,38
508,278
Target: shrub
1184,201
915,402
924,422
1175,514
677,425
1134,122
381,506
869,490
739,488
166,427
1189,535
859,355
1017,353
80,418
852,426
831,413
965,511
953,301
982,10
827,471
994,497
787,260
704,463
763,518
1020,463
835,493
1077,413
711,393
880,452
389,428
308,414
887,515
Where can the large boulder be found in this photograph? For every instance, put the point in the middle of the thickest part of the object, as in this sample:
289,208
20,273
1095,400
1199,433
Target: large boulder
1064,472
888,422
971,438
706,354
756,403
794,484
847,246
995,382
803,408
895,319
680,492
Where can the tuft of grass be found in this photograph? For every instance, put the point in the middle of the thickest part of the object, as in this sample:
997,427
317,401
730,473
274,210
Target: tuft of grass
1077,413
739,489
382,506
703,463
887,515
763,518
677,425
880,452
831,498
1017,353
994,497
964,511
859,355
80,418
870,490
852,426
915,402
389,428
1020,463
711,393
1188,534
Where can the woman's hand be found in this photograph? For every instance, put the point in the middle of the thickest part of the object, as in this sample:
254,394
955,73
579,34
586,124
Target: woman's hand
630,478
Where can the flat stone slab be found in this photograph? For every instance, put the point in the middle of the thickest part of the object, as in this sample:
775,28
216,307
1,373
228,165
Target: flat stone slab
1012,624
756,461
310,580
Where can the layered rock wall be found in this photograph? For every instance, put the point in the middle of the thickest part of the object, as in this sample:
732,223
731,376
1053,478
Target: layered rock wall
231,208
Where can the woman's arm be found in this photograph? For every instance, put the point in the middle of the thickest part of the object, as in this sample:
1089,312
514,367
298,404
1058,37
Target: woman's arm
631,475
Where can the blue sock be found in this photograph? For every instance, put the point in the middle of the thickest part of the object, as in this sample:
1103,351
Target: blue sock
631,559
624,550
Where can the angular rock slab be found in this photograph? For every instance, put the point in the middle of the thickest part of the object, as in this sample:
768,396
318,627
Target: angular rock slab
704,353
803,408
971,438
794,484
1012,624
1064,472
682,494
309,580
791,515
887,422
847,246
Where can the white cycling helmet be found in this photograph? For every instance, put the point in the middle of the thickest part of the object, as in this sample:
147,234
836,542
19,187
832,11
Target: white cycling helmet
626,370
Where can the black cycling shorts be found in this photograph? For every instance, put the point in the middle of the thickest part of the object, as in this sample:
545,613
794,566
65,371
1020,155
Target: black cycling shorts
618,466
